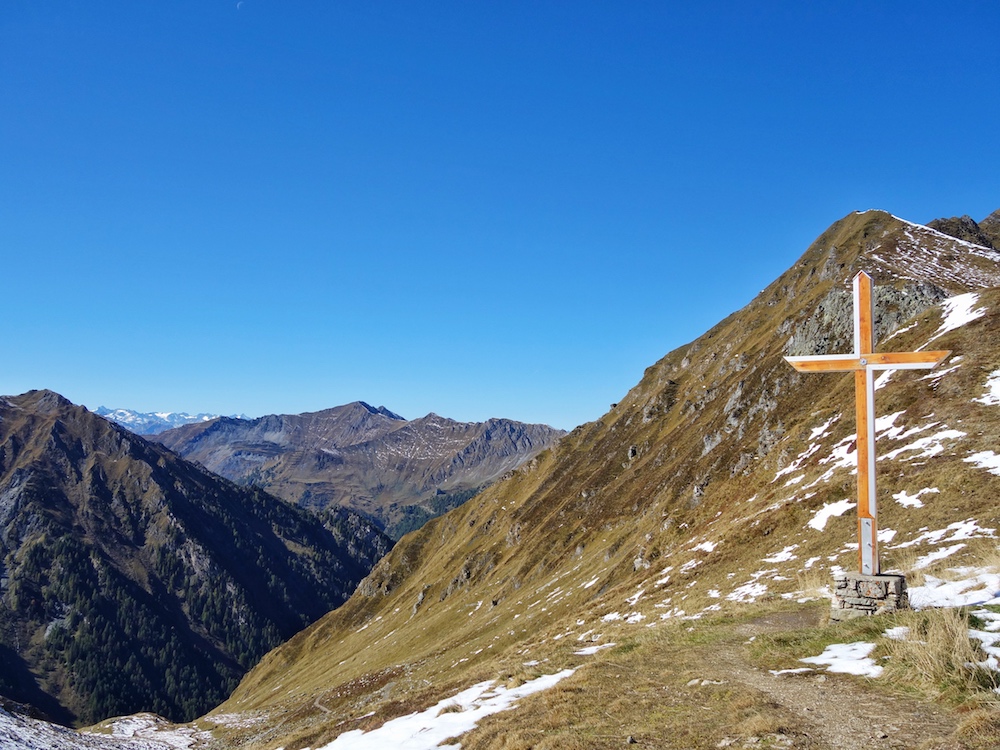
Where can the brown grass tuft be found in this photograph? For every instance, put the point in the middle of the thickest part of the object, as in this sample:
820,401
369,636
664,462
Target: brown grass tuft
814,582
980,728
990,557
760,724
939,659
903,560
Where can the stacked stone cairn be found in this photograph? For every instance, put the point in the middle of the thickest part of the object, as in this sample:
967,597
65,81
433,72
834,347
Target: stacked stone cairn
858,595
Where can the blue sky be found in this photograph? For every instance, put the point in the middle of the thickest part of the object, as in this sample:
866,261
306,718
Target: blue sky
477,209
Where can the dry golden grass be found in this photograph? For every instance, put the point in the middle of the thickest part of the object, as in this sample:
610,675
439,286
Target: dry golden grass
938,659
989,556
764,722
980,729
667,688
903,560
675,686
814,583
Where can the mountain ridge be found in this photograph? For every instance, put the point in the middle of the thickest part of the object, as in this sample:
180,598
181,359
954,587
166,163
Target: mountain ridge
400,472
985,233
719,481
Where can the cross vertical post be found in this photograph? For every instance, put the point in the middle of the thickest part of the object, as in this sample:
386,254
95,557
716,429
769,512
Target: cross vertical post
863,363
864,400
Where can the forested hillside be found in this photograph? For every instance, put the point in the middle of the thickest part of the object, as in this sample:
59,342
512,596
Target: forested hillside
135,581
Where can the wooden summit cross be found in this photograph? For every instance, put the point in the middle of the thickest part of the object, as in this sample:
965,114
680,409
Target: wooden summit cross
863,362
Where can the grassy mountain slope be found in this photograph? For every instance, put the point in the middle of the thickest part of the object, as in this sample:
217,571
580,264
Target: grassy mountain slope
691,498
400,472
133,580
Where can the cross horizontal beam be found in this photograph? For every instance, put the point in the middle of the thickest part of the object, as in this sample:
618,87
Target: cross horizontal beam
872,361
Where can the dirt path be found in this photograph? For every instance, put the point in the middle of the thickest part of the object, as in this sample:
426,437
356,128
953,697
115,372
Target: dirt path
833,710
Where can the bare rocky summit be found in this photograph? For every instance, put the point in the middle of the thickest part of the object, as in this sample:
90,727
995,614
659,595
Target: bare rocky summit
965,228
990,226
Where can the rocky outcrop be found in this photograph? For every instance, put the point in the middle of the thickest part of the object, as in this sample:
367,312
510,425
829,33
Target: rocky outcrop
963,228
990,226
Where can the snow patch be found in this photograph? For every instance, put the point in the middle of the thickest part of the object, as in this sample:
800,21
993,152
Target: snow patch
938,554
988,643
633,600
985,460
953,532
664,576
974,587
849,658
913,501
992,395
882,380
936,375
591,650
820,517
900,633
748,592
958,311
794,465
446,719
824,429
784,556
901,331
925,447
800,670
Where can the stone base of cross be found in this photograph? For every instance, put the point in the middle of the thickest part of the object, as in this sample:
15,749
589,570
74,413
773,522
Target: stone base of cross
863,362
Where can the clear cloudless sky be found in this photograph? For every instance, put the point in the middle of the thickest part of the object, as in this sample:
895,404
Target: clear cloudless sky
474,208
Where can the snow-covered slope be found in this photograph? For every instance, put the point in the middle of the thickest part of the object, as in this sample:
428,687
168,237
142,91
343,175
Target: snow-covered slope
140,732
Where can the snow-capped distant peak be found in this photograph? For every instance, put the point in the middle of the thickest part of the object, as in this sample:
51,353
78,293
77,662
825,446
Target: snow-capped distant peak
153,423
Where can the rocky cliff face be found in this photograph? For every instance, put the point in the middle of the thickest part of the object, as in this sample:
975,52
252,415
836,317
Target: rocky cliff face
371,460
132,580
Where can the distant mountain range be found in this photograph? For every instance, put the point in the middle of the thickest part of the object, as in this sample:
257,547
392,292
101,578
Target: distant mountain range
400,472
132,580
151,423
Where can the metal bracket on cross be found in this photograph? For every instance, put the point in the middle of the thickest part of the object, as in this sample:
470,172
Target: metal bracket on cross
863,362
